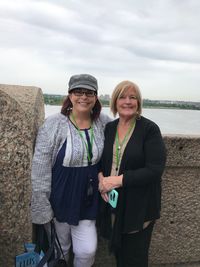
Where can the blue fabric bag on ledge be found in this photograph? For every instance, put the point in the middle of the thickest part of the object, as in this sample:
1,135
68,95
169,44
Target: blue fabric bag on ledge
34,255
29,258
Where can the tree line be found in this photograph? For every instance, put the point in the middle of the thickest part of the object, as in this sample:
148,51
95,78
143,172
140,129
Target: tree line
58,100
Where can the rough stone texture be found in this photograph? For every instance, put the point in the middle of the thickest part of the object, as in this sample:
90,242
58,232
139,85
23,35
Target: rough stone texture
176,237
21,112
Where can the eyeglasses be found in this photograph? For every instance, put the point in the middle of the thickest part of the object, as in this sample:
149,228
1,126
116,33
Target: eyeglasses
81,92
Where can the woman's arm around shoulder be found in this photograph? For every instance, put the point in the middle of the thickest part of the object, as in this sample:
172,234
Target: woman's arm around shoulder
104,119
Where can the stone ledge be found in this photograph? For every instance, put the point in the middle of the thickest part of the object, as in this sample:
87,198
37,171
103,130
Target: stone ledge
21,113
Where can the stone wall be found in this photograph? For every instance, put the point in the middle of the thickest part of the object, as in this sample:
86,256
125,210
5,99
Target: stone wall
21,112
176,237
177,234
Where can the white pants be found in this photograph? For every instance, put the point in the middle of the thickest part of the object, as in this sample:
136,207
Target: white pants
84,241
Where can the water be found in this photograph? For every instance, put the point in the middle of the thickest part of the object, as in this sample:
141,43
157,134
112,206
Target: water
170,121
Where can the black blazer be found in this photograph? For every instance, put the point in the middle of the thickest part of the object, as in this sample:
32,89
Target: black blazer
142,166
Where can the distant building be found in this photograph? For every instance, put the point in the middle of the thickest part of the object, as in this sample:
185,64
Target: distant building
104,97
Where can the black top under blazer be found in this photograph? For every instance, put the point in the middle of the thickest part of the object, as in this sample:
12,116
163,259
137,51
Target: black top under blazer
142,166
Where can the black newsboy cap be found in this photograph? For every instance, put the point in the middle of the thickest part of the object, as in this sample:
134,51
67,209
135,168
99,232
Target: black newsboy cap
85,81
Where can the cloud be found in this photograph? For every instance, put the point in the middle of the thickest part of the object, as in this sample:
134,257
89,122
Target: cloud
154,43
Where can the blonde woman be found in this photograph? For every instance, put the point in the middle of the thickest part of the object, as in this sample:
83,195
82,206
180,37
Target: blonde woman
132,163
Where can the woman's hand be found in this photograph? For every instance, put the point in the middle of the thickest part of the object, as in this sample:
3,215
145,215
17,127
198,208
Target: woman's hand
100,176
105,196
106,184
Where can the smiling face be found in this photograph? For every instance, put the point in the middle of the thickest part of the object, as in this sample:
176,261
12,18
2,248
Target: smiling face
127,103
83,100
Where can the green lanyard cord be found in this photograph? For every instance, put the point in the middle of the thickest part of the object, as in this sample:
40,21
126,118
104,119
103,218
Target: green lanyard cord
89,151
120,145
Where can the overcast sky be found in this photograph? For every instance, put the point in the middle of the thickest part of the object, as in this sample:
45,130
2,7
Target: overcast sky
155,43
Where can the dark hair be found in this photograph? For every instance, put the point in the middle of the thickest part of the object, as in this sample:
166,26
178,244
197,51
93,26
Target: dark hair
67,108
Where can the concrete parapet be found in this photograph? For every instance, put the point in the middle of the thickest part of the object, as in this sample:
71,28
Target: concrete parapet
21,113
176,237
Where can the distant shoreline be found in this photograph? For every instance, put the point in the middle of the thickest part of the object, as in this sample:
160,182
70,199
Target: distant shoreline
144,106
57,100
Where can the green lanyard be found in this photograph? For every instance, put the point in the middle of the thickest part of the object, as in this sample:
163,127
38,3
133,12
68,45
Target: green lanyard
89,151
120,145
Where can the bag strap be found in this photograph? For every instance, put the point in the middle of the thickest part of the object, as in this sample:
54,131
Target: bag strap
55,243
58,247
41,238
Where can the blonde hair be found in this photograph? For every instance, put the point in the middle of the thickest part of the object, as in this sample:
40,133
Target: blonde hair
119,90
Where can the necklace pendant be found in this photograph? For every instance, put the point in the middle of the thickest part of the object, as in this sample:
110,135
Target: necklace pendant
119,147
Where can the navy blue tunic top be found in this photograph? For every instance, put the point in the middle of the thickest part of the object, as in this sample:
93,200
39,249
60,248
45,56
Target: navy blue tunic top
69,199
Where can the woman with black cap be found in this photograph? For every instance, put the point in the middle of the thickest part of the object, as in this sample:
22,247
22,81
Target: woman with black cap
65,170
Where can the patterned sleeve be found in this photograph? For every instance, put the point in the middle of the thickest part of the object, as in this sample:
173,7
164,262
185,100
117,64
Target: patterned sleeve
41,210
